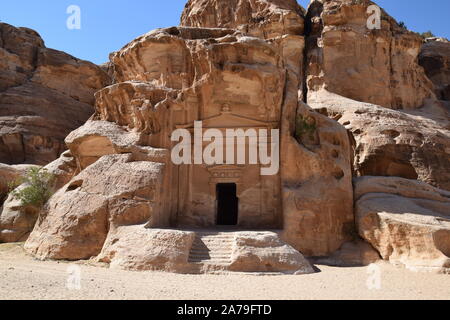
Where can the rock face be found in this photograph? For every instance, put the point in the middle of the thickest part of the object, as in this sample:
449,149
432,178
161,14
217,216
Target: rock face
112,192
317,187
172,250
17,220
161,250
264,252
259,18
44,94
377,66
228,79
351,254
169,78
435,59
393,143
407,221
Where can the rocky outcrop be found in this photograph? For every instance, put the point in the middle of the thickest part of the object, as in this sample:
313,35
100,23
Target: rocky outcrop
393,143
355,253
316,174
265,252
44,94
98,138
435,59
407,221
172,250
377,66
170,78
157,249
115,191
261,18
18,220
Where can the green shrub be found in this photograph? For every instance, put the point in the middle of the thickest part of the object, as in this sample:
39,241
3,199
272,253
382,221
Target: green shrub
402,25
38,188
14,184
427,34
304,127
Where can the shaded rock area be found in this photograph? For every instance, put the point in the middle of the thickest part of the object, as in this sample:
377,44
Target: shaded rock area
351,254
435,59
44,94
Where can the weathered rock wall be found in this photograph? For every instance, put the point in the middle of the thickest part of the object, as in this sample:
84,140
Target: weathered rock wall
435,59
261,18
406,221
377,66
44,94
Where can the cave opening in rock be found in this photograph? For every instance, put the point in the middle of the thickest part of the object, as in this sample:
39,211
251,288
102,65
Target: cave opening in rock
227,204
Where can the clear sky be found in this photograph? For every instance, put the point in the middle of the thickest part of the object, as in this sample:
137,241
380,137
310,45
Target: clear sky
107,25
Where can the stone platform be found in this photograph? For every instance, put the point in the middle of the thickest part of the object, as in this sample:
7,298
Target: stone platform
202,251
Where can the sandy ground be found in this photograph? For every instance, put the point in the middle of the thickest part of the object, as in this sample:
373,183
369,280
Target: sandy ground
22,277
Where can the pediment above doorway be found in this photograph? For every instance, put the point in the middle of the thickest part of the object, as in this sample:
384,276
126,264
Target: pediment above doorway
227,120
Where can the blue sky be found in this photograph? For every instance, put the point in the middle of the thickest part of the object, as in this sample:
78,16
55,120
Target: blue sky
107,25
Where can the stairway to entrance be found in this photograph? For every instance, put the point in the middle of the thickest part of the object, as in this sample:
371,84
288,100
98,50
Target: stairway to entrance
212,248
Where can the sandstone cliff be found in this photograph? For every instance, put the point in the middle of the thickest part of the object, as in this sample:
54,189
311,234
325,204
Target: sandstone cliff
44,94
435,59
377,66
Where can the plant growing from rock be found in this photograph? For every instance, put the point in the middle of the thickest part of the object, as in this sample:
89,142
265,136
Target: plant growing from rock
427,34
37,187
304,128
402,25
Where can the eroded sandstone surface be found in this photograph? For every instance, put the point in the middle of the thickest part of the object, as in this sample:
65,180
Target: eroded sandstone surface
44,95
260,18
387,142
377,66
435,59
406,221
18,220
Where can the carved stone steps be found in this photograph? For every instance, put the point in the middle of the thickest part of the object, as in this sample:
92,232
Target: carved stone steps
212,249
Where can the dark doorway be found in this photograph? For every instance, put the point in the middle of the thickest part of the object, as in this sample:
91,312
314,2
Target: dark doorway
227,204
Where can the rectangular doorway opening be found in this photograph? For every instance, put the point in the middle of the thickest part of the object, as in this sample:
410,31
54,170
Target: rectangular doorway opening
227,204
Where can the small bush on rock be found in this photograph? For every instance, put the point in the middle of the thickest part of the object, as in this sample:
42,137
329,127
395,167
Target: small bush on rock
428,34
38,187
305,127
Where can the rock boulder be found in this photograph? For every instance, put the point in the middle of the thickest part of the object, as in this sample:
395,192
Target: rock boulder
407,221
114,191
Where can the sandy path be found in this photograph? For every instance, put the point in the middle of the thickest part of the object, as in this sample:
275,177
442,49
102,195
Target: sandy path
22,277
